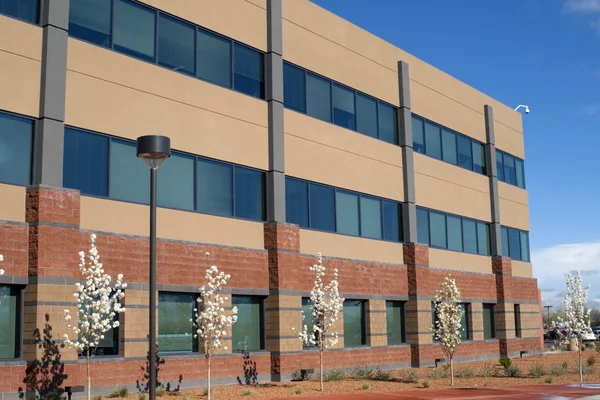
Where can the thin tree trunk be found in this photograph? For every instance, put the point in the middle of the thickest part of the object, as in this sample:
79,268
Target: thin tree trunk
208,380
89,378
321,367
451,372
580,363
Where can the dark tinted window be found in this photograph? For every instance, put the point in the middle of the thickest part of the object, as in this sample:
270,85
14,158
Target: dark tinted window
505,242
366,115
214,187
394,313
10,322
370,217
520,173
134,29
454,233
489,326
322,207
500,165
422,226
249,193
524,246
437,228
176,182
296,202
85,161
478,158
247,332
388,124
16,136
176,44
509,169
418,135
26,10
129,177
433,142
515,244
248,71
469,236
318,97
175,329
449,146
294,88
483,238
465,159
344,113
214,58
346,212
354,323
89,20
392,221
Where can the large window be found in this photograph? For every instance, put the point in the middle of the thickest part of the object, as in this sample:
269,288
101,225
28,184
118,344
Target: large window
444,144
16,137
25,10
325,208
510,169
10,322
453,232
395,322
489,325
354,323
109,346
151,35
100,165
326,100
465,331
515,244
175,328
248,331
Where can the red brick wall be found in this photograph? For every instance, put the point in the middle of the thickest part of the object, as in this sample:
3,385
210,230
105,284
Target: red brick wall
14,247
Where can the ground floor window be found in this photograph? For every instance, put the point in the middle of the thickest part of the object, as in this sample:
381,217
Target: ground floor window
10,322
395,322
354,323
248,331
175,328
489,326
517,320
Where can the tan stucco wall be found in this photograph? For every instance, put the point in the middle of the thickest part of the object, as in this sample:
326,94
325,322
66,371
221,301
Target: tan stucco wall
334,245
323,152
20,60
242,20
449,188
132,219
514,206
445,259
522,269
13,203
119,95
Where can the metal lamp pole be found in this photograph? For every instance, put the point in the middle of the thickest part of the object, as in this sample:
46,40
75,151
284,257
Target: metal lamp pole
153,150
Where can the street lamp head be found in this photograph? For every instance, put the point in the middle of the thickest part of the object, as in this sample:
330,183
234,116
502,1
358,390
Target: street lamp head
153,150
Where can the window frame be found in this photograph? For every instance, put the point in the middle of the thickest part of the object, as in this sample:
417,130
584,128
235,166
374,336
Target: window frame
262,323
19,325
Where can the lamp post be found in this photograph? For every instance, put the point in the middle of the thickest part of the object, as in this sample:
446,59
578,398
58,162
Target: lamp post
548,322
153,150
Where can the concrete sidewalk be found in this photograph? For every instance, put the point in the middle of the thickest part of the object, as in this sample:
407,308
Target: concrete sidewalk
547,392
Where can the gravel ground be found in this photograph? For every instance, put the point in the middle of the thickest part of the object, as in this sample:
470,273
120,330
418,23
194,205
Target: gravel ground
549,362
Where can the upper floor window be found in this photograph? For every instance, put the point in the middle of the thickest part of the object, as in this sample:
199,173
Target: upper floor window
25,10
510,169
10,322
452,232
16,139
317,206
104,166
329,101
515,244
444,144
148,34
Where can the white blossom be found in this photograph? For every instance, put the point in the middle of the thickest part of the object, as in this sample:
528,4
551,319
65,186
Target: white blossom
326,304
211,319
1,270
447,328
98,301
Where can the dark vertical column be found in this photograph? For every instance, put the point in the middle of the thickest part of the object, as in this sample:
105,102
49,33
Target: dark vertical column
492,170
274,82
406,144
49,138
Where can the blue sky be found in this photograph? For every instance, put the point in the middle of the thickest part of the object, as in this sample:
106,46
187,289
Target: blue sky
543,53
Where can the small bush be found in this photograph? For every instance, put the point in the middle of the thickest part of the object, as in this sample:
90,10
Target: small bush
366,386
185,397
362,373
548,380
505,361
438,373
205,392
587,370
513,372
334,375
298,391
53,396
425,384
591,360
160,391
97,397
537,370
464,372
385,375
557,370
296,375
247,393
489,371
565,365
142,396
410,376
121,392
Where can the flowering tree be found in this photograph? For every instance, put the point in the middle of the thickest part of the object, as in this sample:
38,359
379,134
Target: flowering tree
1,270
326,305
211,319
447,328
577,315
98,301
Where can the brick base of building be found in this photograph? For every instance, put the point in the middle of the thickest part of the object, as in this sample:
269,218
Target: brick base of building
41,258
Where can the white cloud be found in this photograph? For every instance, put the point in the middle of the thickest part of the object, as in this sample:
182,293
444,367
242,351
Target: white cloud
582,6
552,264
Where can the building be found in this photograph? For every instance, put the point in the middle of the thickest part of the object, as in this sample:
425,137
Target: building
294,132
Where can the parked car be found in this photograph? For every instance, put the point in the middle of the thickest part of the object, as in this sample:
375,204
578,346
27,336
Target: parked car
585,337
597,333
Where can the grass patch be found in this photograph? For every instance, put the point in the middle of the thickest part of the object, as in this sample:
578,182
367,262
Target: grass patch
591,360
425,384
97,397
160,391
247,393
438,373
548,380
362,373
385,375
121,392
142,396
410,376
298,391
513,372
465,372
489,371
333,375
558,370
366,386
537,370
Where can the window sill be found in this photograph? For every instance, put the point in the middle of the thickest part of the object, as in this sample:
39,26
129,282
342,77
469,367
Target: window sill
8,362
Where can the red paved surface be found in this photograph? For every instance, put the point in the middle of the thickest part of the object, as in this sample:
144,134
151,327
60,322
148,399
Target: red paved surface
526,392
